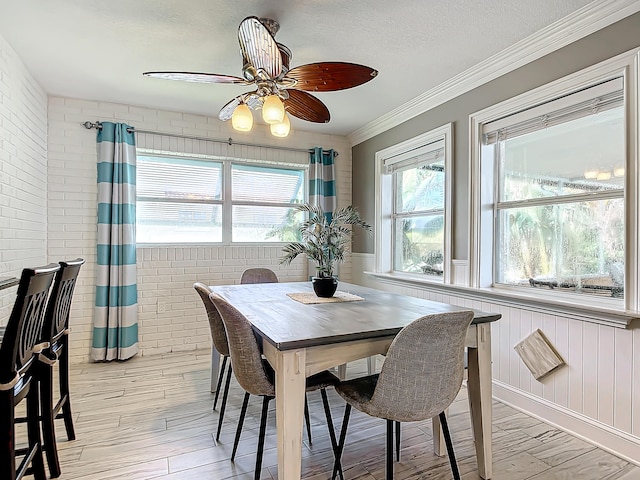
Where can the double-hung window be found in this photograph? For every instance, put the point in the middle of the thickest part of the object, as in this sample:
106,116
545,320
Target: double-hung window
263,202
191,200
413,220
559,201
179,200
554,191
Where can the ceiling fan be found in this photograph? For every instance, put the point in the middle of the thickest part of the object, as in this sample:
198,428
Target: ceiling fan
278,88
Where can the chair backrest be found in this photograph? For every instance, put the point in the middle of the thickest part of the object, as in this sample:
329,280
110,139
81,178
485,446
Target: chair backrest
24,328
423,368
246,357
218,333
56,319
258,275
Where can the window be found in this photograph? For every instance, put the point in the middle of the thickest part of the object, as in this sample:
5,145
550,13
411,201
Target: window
184,200
178,200
263,199
551,203
413,220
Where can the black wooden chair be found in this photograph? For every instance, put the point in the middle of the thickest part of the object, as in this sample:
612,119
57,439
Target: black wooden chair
256,376
19,374
56,332
420,377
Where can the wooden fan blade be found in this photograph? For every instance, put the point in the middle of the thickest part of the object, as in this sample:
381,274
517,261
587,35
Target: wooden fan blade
259,49
307,107
197,77
330,76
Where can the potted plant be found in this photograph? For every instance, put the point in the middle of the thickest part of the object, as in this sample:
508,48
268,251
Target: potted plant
325,240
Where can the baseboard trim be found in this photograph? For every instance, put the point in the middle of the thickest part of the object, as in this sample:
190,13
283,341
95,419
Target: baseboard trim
603,436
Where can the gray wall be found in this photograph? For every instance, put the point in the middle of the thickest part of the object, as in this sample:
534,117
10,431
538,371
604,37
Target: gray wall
606,43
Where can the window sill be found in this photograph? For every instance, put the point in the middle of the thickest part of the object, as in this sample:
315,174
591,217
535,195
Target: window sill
604,311
211,244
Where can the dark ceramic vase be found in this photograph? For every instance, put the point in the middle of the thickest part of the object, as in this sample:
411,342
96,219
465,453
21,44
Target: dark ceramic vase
324,287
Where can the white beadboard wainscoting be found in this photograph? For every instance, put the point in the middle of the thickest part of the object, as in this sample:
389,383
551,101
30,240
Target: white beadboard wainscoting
596,395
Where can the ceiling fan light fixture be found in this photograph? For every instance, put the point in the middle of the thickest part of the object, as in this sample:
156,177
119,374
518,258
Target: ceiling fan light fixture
273,110
281,129
242,119
267,64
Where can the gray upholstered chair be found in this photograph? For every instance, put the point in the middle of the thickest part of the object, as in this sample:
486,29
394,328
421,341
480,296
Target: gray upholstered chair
258,275
265,275
219,338
420,377
256,376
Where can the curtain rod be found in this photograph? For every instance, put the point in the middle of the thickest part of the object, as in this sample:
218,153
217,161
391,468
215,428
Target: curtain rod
230,141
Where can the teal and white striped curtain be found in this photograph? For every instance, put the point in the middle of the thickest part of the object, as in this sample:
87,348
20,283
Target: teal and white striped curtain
322,180
115,329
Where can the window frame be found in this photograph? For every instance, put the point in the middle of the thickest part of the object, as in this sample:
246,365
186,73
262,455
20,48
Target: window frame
385,201
483,178
226,200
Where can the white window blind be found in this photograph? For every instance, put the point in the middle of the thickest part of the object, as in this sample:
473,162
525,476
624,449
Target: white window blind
590,101
423,155
264,185
178,180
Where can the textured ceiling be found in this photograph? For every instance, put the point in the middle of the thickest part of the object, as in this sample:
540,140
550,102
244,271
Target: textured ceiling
98,50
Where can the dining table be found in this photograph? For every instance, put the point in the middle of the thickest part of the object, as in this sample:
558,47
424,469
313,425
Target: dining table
303,334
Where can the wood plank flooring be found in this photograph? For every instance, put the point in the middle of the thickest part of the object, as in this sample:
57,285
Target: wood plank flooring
151,418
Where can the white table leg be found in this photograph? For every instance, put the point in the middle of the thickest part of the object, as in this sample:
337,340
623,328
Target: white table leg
215,368
371,365
479,389
290,388
439,445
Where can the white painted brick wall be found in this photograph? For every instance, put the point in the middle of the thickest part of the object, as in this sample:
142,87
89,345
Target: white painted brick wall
171,315
23,172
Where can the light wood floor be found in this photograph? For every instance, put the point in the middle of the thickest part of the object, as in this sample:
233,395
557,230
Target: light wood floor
151,418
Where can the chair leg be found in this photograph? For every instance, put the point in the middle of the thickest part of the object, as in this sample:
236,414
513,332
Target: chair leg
224,364
243,412
63,378
7,436
332,433
48,416
261,435
389,466
447,439
337,465
307,420
398,441
224,402
33,431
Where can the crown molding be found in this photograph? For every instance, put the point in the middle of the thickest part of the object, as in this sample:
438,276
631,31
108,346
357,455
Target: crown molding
583,22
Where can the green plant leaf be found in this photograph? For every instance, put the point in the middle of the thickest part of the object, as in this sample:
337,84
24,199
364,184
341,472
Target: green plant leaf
324,242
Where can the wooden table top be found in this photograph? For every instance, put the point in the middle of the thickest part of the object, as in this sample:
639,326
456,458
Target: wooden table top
6,282
288,324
